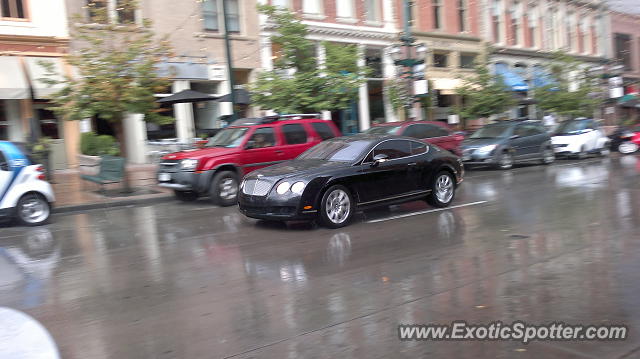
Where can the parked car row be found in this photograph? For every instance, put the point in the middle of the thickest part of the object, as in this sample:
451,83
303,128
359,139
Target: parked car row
297,167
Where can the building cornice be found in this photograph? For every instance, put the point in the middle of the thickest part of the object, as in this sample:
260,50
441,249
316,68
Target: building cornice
543,54
21,39
351,32
440,35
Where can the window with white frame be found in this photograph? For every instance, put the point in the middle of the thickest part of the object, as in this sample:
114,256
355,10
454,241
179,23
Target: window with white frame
113,11
571,26
213,15
281,3
462,16
583,37
516,17
13,9
436,8
532,18
312,7
372,10
496,20
345,9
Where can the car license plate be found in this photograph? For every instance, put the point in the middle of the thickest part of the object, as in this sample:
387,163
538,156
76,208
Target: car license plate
164,177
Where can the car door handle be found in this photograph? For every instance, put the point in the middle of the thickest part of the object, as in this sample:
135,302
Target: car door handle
279,151
412,164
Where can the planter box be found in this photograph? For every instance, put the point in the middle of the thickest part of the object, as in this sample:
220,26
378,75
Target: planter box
88,165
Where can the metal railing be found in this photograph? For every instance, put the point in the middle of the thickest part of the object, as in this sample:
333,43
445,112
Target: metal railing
158,149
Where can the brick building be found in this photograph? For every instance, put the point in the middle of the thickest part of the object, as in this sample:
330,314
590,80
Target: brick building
625,38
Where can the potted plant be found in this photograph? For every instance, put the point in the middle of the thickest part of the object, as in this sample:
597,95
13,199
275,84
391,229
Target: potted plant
93,146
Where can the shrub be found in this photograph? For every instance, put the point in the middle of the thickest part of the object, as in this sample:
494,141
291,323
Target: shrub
98,145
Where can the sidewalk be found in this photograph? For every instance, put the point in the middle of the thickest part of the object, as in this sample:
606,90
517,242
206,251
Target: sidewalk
74,194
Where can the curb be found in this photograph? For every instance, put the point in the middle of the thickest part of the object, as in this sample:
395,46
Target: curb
107,205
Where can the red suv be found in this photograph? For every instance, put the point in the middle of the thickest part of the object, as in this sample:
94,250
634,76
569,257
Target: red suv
246,145
433,132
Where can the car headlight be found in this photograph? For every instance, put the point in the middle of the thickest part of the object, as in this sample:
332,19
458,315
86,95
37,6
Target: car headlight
188,164
297,187
486,149
283,187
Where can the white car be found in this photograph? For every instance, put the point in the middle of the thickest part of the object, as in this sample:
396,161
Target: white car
24,191
579,138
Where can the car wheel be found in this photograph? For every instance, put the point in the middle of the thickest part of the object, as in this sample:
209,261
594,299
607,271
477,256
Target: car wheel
33,209
186,196
582,154
548,156
443,190
337,206
224,189
505,161
627,147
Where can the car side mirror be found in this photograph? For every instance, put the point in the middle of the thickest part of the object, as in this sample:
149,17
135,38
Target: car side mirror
4,166
250,145
378,159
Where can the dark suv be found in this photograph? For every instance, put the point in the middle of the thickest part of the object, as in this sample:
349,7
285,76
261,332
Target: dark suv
246,145
504,143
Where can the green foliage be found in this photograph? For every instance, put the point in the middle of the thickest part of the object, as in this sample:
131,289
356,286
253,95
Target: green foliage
484,93
297,85
572,90
116,71
98,145
398,93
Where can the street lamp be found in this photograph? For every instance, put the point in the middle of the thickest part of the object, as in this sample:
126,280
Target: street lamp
409,54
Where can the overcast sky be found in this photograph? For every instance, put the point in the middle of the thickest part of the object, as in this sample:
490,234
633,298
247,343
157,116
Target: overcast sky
631,6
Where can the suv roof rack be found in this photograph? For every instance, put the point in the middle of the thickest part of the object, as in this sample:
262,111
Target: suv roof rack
273,118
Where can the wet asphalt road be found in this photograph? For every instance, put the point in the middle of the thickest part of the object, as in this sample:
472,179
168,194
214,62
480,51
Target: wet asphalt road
187,280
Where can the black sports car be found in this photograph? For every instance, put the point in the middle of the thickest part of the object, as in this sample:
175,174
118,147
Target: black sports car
340,175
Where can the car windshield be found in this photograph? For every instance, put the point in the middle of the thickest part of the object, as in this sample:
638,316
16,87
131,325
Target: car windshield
568,127
383,130
229,137
492,131
339,151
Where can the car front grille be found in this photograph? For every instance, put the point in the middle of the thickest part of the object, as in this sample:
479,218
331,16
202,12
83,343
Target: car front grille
274,211
256,187
169,165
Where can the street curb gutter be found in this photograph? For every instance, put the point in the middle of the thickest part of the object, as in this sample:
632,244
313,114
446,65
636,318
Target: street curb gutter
108,205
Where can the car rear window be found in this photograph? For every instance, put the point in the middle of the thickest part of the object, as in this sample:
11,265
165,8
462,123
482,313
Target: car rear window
425,131
294,134
323,130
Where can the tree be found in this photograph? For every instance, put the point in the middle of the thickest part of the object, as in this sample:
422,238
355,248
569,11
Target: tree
297,84
117,74
484,93
571,91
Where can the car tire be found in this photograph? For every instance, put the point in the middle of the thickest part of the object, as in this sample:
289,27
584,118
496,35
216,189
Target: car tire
224,189
627,147
505,161
186,196
336,207
443,190
582,154
548,156
33,209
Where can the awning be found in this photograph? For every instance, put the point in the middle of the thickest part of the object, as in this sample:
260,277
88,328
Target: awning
13,83
446,86
38,72
186,96
242,97
513,80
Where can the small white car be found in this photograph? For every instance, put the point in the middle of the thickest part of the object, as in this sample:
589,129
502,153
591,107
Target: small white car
24,192
579,138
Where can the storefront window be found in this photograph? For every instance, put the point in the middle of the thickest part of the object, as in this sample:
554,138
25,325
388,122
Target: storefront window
48,123
205,113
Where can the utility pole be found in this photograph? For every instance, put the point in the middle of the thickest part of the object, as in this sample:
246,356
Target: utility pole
227,44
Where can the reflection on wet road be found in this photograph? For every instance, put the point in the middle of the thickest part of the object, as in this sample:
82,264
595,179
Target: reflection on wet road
178,280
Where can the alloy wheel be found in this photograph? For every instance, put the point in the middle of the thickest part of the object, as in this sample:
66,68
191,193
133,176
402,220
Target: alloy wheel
338,206
228,188
506,161
627,147
444,188
33,209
